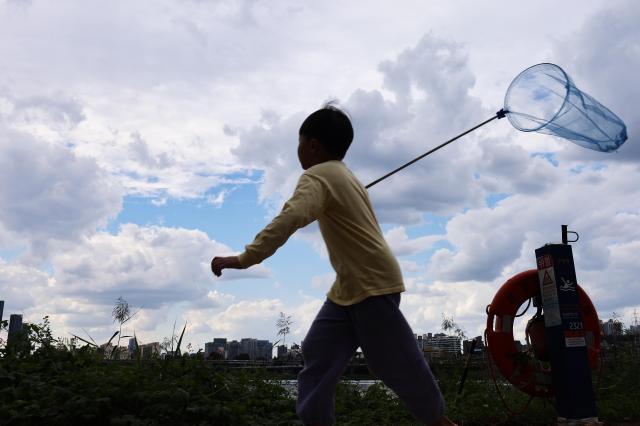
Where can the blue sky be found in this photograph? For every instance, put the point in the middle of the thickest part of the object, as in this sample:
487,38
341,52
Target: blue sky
140,139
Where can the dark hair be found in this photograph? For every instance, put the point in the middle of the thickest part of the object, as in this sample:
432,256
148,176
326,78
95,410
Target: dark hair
332,127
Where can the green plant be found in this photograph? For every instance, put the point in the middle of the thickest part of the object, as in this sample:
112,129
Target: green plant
449,325
58,384
283,324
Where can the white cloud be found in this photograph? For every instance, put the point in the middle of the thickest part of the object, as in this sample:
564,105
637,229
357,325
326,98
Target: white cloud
53,194
466,302
170,106
217,200
251,318
602,58
20,287
152,266
246,318
156,269
389,132
402,245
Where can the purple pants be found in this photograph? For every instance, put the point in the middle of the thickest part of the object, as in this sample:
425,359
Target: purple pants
378,327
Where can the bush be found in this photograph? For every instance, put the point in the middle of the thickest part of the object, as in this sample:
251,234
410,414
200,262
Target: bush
57,385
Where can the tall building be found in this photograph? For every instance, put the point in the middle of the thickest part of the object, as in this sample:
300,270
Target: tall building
282,351
248,346
150,350
131,347
478,347
233,349
264,350
441,343
218,346
15,327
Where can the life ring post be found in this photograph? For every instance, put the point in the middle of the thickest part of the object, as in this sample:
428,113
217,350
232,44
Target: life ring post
566,330
565,235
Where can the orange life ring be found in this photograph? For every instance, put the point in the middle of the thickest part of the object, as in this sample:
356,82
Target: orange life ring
524,371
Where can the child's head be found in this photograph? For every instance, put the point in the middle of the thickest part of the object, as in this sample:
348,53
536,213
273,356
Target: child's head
324,135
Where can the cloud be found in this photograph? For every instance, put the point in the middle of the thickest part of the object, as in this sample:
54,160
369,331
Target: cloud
152,266
178,105
160,270
246,318
542,182
402,245
20,287
53,194
252,318
43,115
602,58
423,85
217,200
465,302
388,132
492,244
140,151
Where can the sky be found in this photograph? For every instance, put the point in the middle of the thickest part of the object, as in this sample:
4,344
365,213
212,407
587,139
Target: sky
139,139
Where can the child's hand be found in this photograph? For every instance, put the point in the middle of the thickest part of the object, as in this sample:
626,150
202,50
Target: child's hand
220,263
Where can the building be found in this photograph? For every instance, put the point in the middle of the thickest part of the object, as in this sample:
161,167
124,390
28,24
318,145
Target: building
282,352
478,348
263,350
150,350
218,346
15,324
208,349
296,351
233,349
121,352
248,347
439,344
131,347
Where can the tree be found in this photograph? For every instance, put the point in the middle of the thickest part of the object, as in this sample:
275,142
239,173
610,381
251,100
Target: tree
618,326
450,326
283,323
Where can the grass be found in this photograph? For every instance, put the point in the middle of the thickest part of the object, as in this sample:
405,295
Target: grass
45,384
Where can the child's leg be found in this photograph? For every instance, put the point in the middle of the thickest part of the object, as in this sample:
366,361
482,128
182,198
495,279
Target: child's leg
392,353
326,350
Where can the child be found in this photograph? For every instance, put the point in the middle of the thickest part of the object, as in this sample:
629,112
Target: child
362,306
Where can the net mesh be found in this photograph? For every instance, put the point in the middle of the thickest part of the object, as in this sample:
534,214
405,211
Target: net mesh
544,99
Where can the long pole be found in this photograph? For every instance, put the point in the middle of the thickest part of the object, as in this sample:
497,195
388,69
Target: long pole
499,114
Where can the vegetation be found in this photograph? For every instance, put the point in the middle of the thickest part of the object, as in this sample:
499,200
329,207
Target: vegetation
45,382
283,324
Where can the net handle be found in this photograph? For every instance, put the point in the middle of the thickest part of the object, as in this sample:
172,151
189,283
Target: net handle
500,114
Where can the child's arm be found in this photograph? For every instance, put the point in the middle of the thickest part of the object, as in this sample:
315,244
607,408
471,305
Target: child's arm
220,263
307,202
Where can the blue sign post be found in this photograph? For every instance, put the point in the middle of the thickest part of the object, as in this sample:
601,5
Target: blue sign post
565,332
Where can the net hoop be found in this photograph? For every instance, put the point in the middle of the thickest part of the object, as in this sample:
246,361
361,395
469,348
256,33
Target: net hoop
517,79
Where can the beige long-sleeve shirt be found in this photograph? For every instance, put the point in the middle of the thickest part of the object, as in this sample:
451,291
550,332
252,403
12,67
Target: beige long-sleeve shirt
330,193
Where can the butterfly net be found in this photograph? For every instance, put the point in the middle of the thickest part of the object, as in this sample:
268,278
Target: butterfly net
544,99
